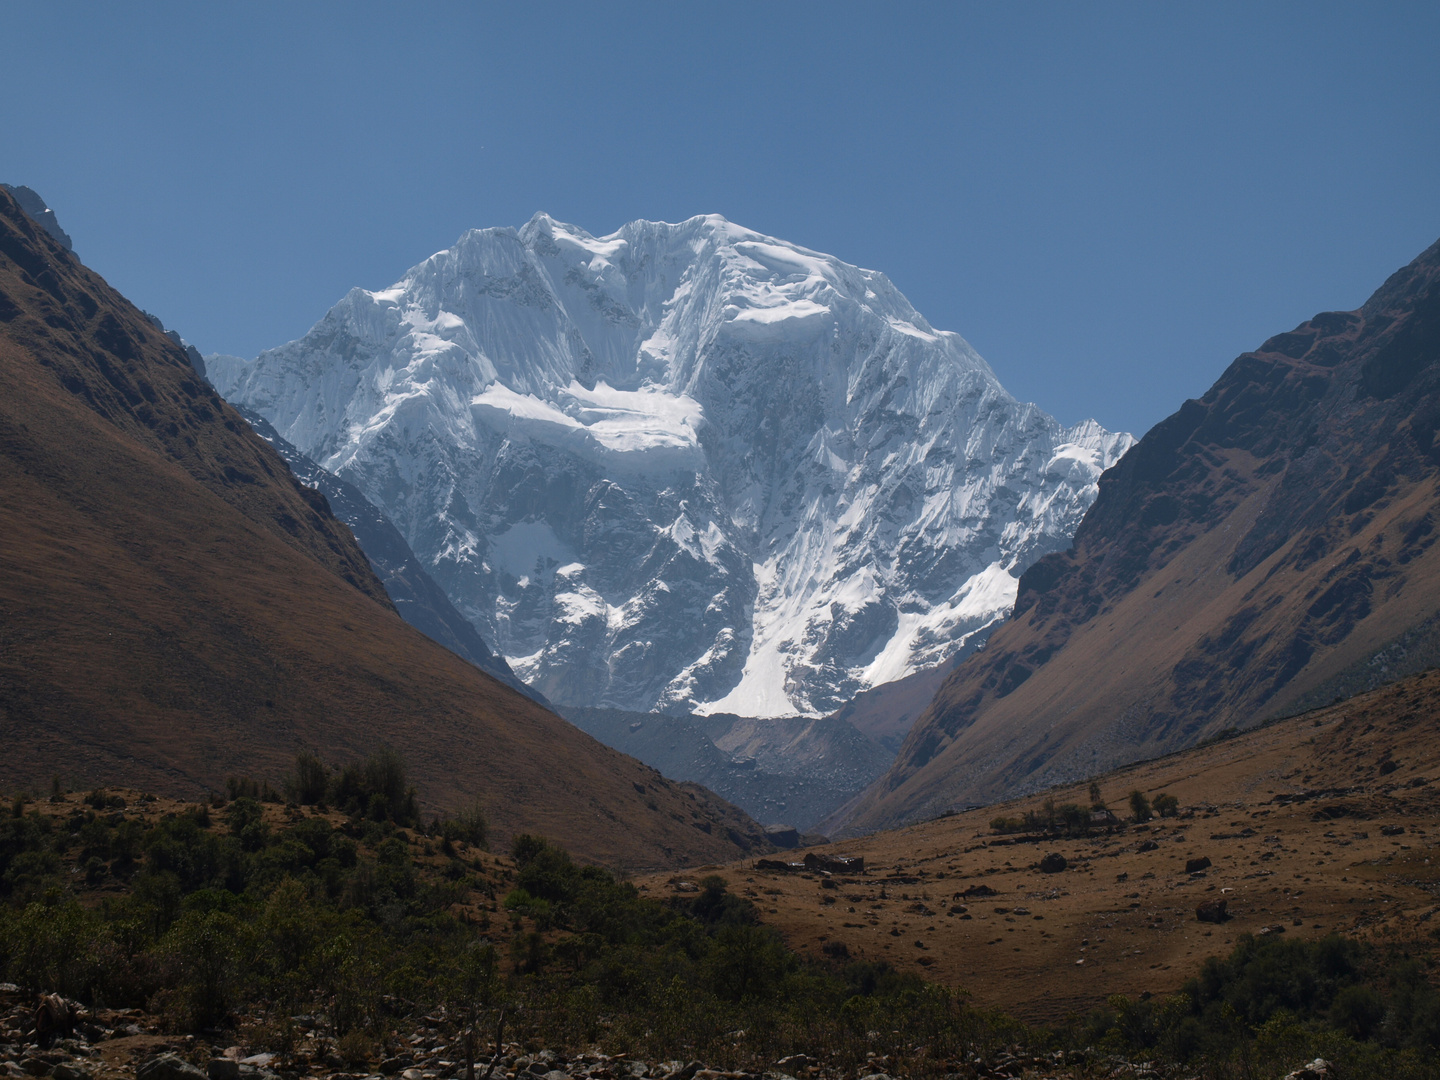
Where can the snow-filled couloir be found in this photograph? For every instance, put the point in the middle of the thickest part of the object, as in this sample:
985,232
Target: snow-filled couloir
683,466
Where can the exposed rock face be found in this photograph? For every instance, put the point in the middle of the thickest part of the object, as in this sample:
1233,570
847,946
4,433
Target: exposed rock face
420,602
1265,548
683,467
35,208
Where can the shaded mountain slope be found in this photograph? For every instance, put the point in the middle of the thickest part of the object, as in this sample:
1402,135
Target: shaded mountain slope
1268,542
176,607
792,770
420,602
887,712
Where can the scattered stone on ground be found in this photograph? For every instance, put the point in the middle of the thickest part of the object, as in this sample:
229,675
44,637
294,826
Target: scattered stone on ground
111,1044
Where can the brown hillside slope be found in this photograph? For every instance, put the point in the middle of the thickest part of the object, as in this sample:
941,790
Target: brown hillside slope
1254,551
175,608
1327,822
888,711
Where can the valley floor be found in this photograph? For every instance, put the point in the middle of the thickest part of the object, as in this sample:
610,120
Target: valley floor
1324,822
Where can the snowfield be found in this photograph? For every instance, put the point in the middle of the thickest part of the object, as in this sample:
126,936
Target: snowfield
684,466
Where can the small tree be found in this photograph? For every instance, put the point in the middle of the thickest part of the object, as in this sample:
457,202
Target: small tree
1048,815
1140,806
476,995
307,785
1097,801
1166,805
247,823
1076,819
469,825
204,951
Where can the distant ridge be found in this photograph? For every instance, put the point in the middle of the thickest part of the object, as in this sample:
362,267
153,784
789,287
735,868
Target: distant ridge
35,207
1266,547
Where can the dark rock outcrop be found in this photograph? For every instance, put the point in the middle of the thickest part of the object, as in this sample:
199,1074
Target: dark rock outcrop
34,206
1212,911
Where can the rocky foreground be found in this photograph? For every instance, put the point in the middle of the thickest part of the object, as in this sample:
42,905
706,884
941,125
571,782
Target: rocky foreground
121,1044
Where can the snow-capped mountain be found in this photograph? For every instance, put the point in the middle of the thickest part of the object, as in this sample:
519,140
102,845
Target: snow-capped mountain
683,467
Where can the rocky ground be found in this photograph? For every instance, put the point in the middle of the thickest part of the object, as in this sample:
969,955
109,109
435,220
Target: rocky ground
109,1044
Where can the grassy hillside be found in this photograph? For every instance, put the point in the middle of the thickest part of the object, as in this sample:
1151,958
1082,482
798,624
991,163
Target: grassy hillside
175,608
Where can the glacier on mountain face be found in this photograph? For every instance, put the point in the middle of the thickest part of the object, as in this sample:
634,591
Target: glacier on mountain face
683,467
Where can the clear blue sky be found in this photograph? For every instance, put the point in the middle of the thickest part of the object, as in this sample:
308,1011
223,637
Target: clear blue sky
1110,201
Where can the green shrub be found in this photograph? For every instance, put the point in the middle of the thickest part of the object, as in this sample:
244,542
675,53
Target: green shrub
1140,806
310,780
376,788
1357,1010
204,952
54,948
246,820
469,825
747,962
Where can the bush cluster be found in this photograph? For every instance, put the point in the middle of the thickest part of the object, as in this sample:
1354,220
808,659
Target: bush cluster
248,908
1275,1001
375,788
1067,819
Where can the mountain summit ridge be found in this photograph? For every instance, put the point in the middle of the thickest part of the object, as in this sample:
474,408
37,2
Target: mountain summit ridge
683,466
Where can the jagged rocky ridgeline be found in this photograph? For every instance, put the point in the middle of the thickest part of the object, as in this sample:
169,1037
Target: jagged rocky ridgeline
683,467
